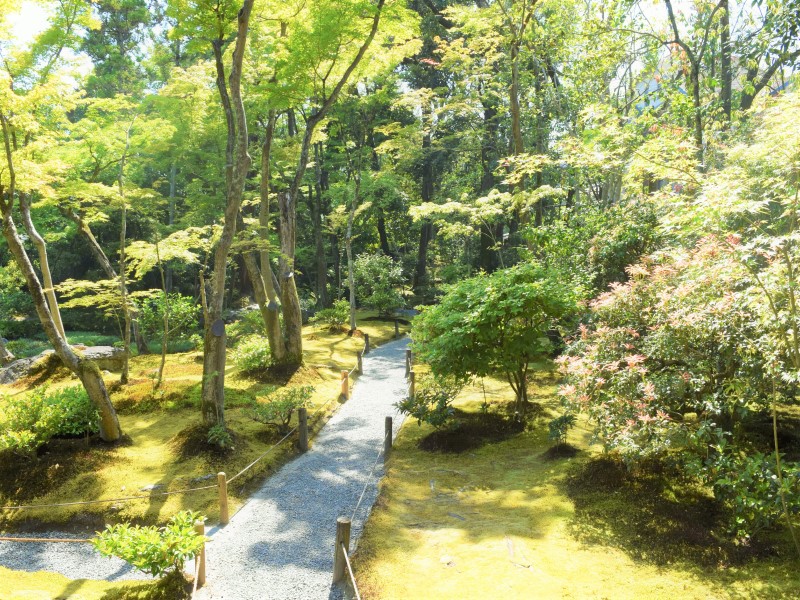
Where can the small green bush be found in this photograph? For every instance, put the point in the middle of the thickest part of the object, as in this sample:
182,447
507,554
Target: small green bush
559,427
184,314
253,355
219,436
153,550
251,323
432,402
26,424
335,318
27,348
279,406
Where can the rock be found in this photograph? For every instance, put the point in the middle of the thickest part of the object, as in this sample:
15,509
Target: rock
152,487
27,366
107,358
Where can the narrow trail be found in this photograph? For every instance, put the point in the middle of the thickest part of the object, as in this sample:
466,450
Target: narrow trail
280,544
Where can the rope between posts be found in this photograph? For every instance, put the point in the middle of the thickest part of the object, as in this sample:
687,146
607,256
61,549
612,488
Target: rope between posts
369,477
196,573
350,570
123,499
270,449
40,540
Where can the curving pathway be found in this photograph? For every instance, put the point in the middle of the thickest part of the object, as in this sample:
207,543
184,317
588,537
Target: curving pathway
280,544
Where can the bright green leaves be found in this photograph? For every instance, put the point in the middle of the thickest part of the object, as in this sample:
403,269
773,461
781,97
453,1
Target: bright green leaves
153,550
494,324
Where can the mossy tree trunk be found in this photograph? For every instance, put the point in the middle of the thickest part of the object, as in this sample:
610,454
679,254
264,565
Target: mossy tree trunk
237,164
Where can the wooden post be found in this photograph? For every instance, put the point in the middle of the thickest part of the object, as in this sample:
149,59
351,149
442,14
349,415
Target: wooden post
408,362
396,330
302,418
360,355
342,537
387,440
345,385
222,482
200,529
412,388
366,343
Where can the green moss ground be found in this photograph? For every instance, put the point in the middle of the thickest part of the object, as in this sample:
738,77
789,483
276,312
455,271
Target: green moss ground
509,519
164,446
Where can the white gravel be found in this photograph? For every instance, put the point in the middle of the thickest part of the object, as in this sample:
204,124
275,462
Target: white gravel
280,544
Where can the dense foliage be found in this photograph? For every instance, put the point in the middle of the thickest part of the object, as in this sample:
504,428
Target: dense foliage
153,550
495,324
28,423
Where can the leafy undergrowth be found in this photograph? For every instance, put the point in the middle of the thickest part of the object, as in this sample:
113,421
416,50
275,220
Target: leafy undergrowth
21,585
164,447
514,518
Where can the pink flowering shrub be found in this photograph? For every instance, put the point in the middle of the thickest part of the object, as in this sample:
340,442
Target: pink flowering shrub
672,366
668,353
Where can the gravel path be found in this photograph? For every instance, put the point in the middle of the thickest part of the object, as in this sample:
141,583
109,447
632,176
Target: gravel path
280,544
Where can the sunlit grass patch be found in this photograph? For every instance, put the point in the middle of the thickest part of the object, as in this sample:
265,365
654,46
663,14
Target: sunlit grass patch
163,448
21,585
502,520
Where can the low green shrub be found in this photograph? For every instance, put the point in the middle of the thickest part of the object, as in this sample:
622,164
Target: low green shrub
335,317
432,402
153,550
26,424
219,436
251,323
184,314
26,347
559,427
252,355
279,406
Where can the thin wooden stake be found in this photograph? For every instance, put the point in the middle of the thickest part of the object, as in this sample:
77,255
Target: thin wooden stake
302,417
222,482
345,385
408,362
342,537
200,529
387,440
396,330
360,355
366,343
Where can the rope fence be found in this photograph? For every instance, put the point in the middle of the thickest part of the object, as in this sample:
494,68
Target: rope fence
39,540
341,555
350,571
341,561
173,492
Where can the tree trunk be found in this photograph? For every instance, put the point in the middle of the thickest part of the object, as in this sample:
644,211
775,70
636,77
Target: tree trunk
84,369
383,237
426,233
105,264
126,337
319,245
348,240
5,355
290,301
173,185
44,264
726,72
238,163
